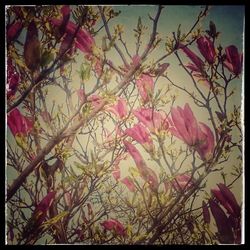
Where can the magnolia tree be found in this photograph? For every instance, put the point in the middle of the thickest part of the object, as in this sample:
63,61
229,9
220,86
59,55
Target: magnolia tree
100,150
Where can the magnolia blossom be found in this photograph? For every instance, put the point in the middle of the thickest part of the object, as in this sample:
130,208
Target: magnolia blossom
141,135
145,85
193,57
84,41
197,65
119,109
129,183
225,231
229,227
206,47
146,173
227,200
234,60
186,128
206,142
14,30
113,224
155,121
19,124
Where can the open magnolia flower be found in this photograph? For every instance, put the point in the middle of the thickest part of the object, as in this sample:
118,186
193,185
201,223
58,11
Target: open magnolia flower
155,121
198,135
139,133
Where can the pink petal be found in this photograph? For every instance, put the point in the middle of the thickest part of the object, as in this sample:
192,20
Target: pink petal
129,183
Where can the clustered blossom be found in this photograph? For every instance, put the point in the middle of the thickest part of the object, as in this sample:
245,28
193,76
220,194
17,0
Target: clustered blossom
84,40
115,225
139,133
228,225
19,125
146,173
155,121
186,128
206,48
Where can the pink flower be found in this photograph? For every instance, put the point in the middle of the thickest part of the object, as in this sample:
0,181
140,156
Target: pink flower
81,95
113,224
19,124
182,182
155,121
14,30
186,128
225,232
146,173
145,85
96,102
141,135
185,125
119,109
129,183
205,147
227,200
193,57
13,79
206,48
234,60
84,41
